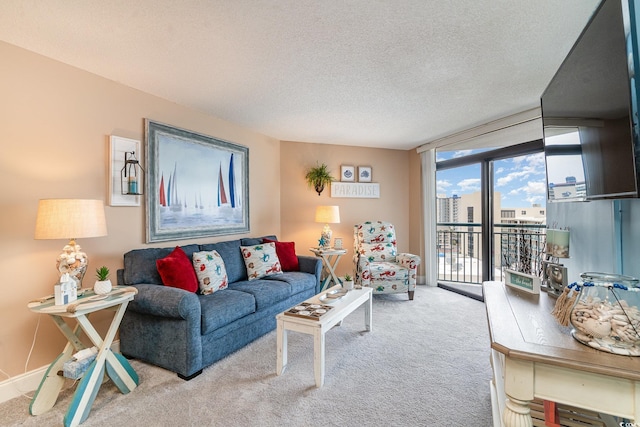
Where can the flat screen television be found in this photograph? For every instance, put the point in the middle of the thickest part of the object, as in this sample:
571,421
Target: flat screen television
589,112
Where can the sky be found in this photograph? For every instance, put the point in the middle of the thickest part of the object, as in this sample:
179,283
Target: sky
521,181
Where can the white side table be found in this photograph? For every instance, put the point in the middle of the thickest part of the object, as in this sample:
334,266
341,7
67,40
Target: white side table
330,258
106,361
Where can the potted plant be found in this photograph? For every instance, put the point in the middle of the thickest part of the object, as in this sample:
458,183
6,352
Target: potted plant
347,282
103,284
318,177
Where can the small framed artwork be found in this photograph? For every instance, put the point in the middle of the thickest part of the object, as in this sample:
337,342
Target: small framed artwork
118,146
364,173
347,173
337,243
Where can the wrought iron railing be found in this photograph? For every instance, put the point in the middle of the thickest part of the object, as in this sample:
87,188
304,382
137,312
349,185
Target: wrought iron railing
518,247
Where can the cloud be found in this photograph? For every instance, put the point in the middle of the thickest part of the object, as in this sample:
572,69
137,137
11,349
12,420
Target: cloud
442,185
461,153
469,184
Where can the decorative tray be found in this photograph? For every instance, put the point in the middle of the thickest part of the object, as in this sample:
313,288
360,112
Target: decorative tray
307,310
332,296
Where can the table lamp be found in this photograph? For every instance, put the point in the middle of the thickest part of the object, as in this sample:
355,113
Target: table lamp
70,219
327,215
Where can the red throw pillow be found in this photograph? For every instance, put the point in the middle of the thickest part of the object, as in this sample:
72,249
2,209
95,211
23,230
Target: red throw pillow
176,270
286,252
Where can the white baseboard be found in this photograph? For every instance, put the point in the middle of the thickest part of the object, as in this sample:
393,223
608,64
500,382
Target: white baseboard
27,383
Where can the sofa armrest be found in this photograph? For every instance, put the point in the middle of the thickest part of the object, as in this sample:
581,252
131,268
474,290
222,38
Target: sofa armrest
311,265
165,301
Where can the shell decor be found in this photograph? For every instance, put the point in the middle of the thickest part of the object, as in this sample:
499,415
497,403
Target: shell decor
607,326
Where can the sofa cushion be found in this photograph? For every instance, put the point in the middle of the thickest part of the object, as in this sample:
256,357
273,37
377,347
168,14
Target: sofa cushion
221,308
209,267
176,270
261,260
140,264
298,281
232,257
266,292
286,252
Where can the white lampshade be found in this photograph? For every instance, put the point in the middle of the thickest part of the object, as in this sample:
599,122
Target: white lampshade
328,214
71,219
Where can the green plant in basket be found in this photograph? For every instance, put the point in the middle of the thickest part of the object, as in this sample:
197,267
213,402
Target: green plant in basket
102,273
347,278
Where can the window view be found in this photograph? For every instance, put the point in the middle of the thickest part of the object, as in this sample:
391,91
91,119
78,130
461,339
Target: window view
519,217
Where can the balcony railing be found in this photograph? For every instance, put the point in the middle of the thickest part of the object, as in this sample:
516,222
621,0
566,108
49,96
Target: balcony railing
518,247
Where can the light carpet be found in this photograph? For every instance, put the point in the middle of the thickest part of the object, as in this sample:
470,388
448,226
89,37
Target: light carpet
425,363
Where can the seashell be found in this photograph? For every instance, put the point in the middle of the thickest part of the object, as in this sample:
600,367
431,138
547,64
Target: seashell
594,344
622,351
597,329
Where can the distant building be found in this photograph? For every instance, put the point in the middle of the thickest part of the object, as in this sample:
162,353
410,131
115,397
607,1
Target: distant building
571,189
464,240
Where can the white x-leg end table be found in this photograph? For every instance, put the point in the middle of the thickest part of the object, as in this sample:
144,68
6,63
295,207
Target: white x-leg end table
330,259
115,365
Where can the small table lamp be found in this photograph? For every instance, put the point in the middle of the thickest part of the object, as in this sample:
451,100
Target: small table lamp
70,219
327,215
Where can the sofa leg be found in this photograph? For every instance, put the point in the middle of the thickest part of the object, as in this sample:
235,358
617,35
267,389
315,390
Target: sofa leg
411,295
190,377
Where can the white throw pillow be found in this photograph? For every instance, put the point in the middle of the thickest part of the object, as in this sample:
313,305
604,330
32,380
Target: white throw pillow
261,260
212,276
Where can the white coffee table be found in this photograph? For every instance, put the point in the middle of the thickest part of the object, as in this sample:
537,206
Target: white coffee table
341,309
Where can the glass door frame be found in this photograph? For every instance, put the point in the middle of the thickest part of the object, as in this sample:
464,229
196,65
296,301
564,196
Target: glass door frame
486,160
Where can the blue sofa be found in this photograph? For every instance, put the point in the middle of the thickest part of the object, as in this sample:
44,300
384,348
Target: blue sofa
184,331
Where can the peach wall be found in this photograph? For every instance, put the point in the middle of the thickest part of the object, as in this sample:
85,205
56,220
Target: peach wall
392,169
55,122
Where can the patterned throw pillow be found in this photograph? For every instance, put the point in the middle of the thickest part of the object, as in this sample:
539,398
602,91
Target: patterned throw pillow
286,252
212,276
261,260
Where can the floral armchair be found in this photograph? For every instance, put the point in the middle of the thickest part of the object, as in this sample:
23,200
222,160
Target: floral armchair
378,265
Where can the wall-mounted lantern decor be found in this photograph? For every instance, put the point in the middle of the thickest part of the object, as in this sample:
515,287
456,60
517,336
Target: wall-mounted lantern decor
131,175
120,150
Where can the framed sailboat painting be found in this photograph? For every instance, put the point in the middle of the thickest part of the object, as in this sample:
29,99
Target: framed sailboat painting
197,185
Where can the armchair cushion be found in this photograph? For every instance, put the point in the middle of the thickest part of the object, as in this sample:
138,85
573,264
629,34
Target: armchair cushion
373,252
388,271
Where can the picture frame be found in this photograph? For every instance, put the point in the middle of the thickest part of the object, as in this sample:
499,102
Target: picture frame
522,281
554,277
364,173
118,146
337,243
197,185
347,173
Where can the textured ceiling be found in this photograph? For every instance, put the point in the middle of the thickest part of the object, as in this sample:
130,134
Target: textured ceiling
375,73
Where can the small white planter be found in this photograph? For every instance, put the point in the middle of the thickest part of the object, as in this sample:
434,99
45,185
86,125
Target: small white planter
102,287
347,285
